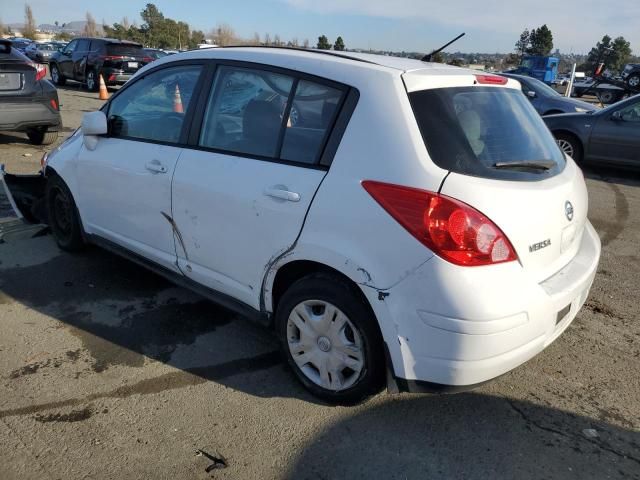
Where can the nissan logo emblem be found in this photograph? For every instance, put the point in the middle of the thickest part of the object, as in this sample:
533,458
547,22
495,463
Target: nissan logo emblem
568,210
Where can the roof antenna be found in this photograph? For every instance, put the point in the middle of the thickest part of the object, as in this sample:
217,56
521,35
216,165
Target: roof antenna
427,57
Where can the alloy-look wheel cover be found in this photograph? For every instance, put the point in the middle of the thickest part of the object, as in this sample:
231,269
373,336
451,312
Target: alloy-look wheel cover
325,345
566,147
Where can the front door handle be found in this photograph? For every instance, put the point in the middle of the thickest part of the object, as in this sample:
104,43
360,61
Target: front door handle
155,166
282,193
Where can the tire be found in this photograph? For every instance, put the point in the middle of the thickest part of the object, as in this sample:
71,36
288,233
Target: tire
633,81
42,136
570,145
607,97
64,219
345,351
56,77
92,81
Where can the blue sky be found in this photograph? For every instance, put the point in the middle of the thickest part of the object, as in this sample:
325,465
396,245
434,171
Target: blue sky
420,25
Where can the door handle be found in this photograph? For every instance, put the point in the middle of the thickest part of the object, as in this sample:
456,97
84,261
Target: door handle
282,193
155,166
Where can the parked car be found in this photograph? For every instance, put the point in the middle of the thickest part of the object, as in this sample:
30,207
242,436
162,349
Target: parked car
610,136
28,102
155,53
40,52
546,100
21,44
631,75
85,59
359,236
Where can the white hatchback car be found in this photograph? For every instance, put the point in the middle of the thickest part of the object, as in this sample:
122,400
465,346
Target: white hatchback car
394,220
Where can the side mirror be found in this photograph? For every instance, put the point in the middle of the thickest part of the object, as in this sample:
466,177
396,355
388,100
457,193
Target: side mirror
531,94
93,124
616,116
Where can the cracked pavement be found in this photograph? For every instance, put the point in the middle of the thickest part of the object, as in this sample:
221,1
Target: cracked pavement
108,371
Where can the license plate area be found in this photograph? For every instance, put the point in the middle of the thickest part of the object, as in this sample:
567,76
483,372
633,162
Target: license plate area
132,64
10,81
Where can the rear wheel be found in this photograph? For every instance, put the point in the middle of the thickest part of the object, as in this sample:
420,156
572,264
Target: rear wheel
570,145
64,219
633,81
42,136
331,339
56,76
92,81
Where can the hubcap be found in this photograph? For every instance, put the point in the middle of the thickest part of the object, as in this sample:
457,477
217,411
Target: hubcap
325,345
54,74
566,147
90,81
634,81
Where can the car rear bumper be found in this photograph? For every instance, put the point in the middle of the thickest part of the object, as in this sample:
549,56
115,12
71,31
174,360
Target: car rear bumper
461,326
116,77
18,116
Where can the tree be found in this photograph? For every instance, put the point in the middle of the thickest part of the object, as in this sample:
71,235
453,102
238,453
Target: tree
323,43
614,54
267,39
90,29
523,43
305,43
197,38
256,39
294,42
540,41
339,45
29,30
63,36
437,58
276,40
224,35
3,29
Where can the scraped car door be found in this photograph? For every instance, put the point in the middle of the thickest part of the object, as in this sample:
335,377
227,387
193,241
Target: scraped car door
240,198
125,182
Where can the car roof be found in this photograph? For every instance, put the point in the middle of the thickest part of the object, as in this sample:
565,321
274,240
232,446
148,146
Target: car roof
330,56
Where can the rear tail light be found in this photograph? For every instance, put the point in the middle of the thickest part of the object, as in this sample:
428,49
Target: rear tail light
53,104
112,57
41,71
491,80
147,59
451,229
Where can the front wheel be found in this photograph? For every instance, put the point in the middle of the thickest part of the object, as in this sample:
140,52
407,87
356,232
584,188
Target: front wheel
56,76
64,219
331,339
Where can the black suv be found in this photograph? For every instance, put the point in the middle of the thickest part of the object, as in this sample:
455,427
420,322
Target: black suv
85,59
28,101
631,75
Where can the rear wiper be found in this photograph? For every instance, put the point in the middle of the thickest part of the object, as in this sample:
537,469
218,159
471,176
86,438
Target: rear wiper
532,164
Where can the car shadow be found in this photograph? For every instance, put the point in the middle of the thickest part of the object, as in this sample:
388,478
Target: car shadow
617,175
14,138
124,314
467,436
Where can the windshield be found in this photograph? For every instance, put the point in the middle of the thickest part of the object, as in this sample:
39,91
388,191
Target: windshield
471,129
47,47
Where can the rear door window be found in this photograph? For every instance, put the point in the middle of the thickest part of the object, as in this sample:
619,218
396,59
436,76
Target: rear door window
245,111
477,130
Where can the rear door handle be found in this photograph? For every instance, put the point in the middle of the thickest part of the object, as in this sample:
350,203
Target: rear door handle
282,193
155,166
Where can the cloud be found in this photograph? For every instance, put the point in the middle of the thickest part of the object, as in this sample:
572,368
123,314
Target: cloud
577,23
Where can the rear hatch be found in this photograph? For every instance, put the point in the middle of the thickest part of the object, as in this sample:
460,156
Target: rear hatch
126,57
17,74
504,162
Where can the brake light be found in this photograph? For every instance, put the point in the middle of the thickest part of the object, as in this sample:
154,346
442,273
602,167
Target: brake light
53,104
112,57
491,80
450,228
41,70
147,59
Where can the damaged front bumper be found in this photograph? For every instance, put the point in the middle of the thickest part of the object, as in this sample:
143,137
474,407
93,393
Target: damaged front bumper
22,197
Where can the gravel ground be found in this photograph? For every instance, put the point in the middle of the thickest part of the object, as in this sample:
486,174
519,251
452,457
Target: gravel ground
108,371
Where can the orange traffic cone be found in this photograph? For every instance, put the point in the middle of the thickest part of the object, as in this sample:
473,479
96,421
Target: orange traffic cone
177,101
104,95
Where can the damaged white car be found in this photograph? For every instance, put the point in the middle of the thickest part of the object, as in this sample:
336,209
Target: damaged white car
395,221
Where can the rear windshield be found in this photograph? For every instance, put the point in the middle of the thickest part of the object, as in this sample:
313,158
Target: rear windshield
129,50
477,130
47,47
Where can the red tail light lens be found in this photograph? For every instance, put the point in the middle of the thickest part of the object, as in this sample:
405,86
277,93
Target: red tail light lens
451,229
491,80
41,70
147,59
112,57
53,104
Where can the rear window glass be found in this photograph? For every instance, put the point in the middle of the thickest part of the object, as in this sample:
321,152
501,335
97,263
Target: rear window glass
476,130
118,49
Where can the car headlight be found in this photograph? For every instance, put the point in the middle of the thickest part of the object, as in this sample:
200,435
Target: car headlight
581,110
